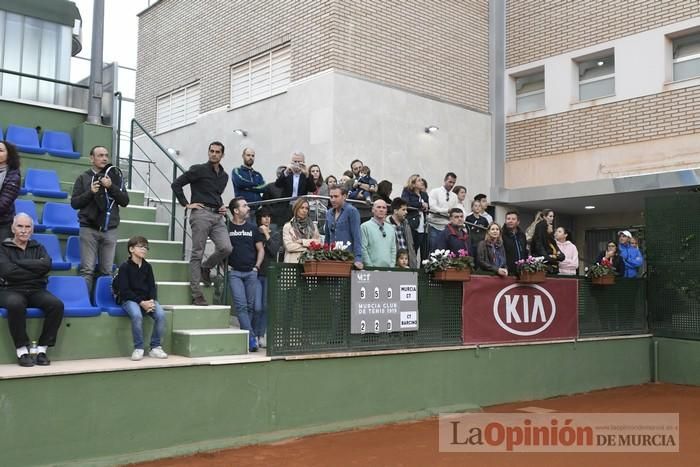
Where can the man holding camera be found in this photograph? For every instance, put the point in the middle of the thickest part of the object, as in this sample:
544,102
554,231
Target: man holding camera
295,180
97,194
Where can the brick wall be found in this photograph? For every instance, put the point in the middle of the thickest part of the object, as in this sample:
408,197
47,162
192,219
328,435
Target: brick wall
440,50
663,115
181,41
541,28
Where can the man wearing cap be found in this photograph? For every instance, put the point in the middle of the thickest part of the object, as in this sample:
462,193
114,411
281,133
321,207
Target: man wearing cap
630,254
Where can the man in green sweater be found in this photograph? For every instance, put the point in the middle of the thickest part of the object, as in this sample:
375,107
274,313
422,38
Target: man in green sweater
378,238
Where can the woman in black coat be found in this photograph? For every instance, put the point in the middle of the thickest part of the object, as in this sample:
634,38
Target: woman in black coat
612,253
544,244
10,180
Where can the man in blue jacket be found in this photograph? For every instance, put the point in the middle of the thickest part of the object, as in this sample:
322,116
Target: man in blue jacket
343,223
248,183
630,254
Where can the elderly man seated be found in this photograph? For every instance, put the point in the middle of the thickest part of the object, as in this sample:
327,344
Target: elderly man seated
24,269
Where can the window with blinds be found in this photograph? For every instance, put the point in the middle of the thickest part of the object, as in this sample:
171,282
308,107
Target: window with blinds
260,77
177,108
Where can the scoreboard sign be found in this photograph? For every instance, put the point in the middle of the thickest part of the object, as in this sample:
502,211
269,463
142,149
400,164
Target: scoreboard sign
383,301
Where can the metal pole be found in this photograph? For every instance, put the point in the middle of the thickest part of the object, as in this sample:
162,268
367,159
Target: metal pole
117,143
131,151
95,97
172,212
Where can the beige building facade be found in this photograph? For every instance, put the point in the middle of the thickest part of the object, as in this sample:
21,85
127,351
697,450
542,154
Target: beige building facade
586,107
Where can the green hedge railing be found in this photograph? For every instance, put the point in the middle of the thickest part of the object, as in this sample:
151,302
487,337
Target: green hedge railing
308,315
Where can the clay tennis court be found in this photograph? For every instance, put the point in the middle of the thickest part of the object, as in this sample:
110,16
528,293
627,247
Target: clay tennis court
416,443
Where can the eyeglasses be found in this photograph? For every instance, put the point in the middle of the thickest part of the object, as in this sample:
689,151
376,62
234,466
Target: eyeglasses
145,247
381,229
448,196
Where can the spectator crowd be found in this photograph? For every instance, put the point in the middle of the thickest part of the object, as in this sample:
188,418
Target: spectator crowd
266,223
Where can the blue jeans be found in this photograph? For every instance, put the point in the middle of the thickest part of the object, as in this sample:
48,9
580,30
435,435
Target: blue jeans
260,324
244,287
136,314
433,235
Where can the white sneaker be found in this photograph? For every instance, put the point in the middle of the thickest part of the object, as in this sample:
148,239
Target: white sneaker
157,352
137,355
262,342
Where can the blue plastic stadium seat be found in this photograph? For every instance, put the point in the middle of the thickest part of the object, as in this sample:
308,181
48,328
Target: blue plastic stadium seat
26,139
73,250
58,143
73,292
27,206
104,298
40,182
31,313
61,218
52,246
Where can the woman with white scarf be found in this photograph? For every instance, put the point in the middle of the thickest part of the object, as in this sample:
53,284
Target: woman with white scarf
299,232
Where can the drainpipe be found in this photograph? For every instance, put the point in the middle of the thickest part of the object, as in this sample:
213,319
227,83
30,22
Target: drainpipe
95,96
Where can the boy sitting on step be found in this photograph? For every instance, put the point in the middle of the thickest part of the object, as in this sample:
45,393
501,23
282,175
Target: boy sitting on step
137,294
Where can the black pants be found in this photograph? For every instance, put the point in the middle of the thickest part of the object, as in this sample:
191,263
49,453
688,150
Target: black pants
5,231
17,302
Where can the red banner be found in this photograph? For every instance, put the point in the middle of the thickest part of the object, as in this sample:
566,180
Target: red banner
496,309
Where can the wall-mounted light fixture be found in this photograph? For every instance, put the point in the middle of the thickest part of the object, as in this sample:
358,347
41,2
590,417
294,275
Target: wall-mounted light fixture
589,207
431,129
240,132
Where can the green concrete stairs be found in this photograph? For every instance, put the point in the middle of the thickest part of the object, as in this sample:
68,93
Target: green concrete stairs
192,331
210,342
196,331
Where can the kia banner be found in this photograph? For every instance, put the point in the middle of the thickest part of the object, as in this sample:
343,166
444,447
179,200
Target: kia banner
496,309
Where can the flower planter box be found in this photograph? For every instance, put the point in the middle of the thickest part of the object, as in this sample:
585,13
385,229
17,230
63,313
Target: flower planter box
327,268
536,277
453,275
608,279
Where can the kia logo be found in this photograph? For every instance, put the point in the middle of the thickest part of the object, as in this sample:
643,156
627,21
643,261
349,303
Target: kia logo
524,309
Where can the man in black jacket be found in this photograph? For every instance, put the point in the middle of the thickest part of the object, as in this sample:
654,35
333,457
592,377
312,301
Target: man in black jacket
24,268
295,180
514,241
97,194
207,183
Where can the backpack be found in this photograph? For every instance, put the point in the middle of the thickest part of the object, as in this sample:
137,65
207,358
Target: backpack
115,287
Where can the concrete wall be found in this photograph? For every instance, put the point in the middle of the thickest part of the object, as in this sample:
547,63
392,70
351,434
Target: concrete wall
334,117
95,419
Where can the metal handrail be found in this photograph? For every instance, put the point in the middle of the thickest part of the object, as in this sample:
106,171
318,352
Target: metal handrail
43,78
351,201
118,95
176,166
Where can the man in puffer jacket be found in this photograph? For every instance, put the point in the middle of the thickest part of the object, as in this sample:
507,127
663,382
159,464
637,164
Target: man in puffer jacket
24,269
630,254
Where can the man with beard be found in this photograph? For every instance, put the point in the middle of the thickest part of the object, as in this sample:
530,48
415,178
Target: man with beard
247,182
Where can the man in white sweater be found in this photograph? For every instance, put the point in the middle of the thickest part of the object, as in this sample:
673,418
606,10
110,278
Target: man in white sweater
441,200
